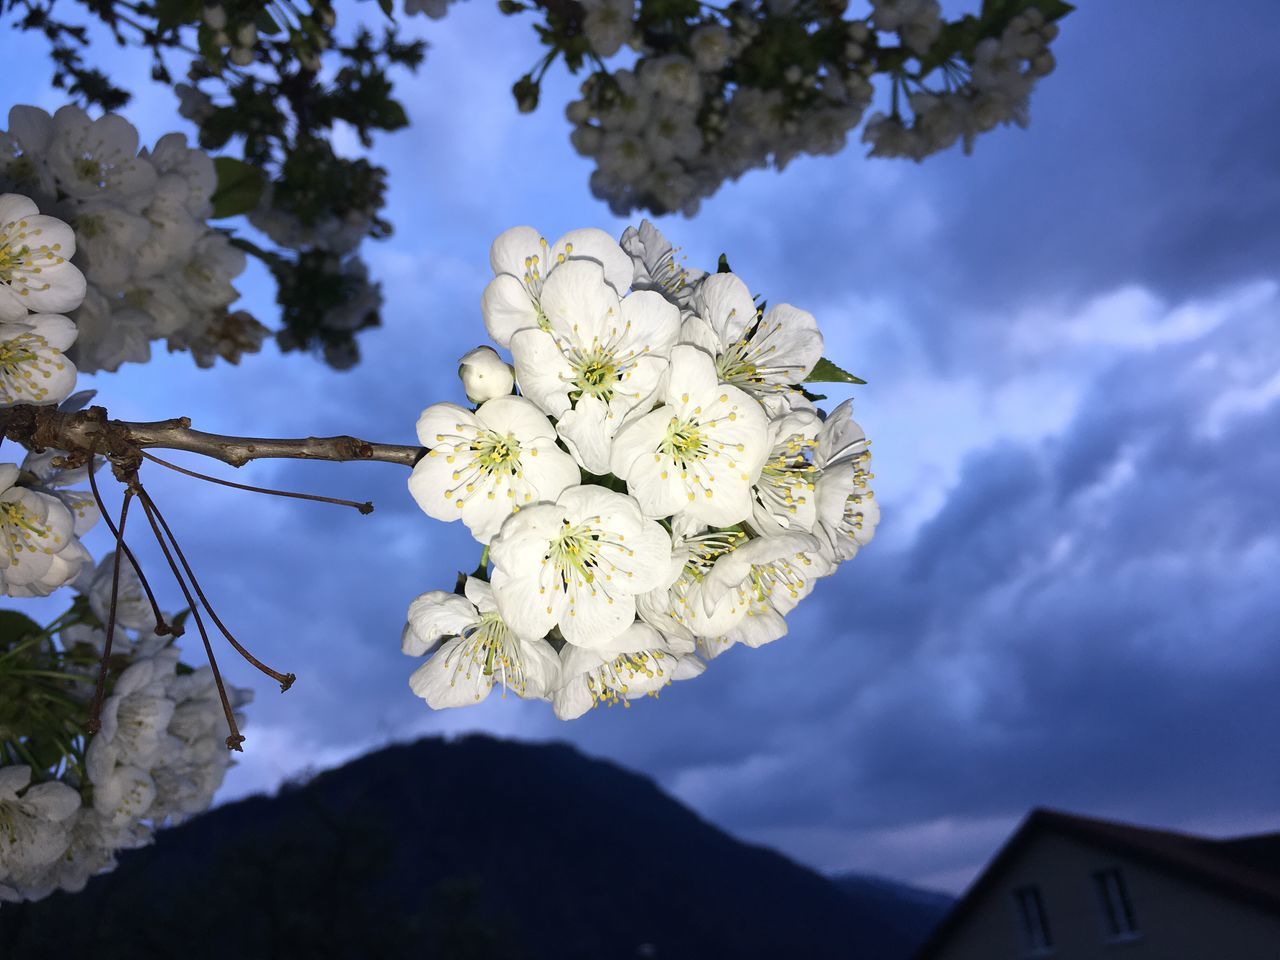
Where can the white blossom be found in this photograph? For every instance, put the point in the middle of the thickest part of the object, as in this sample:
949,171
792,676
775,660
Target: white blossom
39,551
523,262
750,589
33,827
846,506
599,360
481,466
608,24
36,273
785,495
95,158
578,563
33,366
654,260
472,650
698,454
767,356
638,662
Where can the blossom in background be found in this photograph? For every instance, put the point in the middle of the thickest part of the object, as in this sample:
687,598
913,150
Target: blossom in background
472,649
33,827
135,224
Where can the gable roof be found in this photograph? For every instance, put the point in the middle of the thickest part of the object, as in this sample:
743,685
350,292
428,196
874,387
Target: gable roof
1243,868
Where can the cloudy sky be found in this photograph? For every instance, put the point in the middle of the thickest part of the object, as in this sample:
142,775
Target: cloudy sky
1072,345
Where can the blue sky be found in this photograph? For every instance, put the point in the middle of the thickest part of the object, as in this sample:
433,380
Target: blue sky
1072,344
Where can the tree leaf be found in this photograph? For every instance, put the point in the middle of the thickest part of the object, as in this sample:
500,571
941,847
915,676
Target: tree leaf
723,265
16,627
239,187
824,371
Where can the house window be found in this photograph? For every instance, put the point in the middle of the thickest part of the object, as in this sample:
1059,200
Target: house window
1033,921
1118,920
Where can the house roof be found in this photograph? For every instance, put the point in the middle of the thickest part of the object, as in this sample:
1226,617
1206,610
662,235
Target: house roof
1243,868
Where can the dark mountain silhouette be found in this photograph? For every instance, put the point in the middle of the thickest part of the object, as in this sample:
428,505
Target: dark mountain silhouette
476,849
910,911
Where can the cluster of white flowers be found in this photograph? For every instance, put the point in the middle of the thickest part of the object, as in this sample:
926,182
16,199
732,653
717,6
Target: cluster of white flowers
41,521
660,485
1002,74
669,132
157,759
155,268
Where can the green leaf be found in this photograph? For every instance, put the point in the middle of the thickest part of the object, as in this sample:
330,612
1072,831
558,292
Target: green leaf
824,371
239,187
387,8
16,627
723,265
812,397
174,13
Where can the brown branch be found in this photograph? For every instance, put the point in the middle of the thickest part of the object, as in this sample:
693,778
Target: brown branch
79,433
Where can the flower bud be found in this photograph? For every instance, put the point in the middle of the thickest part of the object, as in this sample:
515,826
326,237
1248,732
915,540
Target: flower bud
215,17
485,375
246,35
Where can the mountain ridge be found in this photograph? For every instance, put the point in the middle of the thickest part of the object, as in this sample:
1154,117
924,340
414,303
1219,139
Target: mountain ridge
471,849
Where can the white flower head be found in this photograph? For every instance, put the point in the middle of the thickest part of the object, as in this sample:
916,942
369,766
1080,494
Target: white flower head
24,151
677,611
38,548
767,356
600,359
654,259
638,662
34,829
33,367
523,262
133,609
36,273
785,496
608,24
485,375
847,510
93,158
482,466
578,563
699,453
474,649
754,586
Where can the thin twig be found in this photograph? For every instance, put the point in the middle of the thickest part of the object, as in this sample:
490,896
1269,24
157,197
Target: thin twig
234,738
284,679
95,712
365,508
163,627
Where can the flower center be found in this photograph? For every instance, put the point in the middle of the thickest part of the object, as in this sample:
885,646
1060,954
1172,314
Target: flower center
20,529
91,171
575,552
493,452
487,647
596,372
611,682
21,359
684,441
